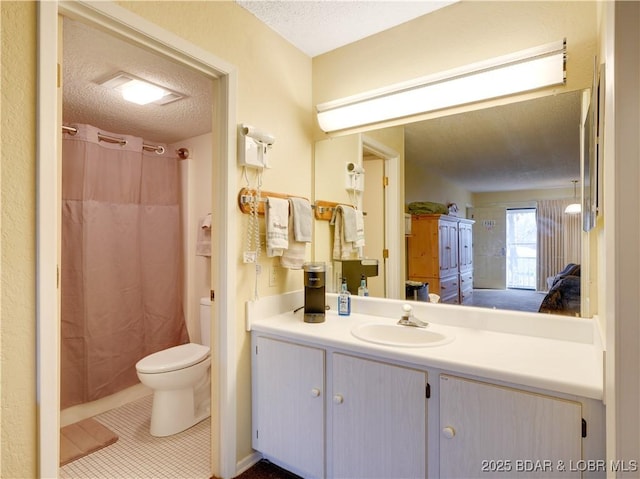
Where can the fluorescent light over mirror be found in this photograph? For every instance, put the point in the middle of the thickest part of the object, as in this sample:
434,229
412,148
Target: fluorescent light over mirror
527,70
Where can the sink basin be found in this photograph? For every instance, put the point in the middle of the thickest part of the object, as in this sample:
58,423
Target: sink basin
400,336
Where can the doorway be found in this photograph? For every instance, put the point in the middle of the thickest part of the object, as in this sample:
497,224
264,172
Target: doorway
522,247
373,205
122,23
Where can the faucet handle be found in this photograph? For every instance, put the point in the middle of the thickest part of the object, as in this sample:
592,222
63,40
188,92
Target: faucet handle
407,309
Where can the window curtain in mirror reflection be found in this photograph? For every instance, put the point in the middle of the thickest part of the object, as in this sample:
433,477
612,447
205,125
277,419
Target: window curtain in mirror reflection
121,287
559,239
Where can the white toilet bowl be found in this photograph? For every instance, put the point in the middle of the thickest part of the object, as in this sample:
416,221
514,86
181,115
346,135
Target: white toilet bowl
180,379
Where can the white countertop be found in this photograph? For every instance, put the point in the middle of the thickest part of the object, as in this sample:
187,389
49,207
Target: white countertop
486,349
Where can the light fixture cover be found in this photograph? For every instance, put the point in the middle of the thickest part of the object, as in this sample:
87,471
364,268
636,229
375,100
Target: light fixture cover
522,71
139,91
573,209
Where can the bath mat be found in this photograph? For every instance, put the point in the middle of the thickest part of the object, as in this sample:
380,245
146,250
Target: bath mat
82,438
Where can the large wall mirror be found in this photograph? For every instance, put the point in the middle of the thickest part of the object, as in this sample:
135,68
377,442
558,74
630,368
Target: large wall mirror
512,168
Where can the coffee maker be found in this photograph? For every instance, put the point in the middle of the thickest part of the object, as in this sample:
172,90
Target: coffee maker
314,292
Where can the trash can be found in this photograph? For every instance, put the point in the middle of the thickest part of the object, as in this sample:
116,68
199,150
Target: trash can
417,291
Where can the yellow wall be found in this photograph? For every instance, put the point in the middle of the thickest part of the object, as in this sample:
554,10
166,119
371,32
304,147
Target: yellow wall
274,94
17,299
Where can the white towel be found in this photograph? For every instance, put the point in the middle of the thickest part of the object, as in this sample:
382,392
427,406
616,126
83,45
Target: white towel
349,223
302,218
293,257
277,226
206,221
342,249
359,229
203,241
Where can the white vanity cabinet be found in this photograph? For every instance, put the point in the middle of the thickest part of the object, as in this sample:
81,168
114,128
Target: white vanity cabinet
376,413
494,431
321,410
288,404
378,420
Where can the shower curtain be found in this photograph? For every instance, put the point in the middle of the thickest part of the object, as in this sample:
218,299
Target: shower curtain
121,286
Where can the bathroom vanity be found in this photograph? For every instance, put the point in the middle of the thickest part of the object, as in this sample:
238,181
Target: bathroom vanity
477,393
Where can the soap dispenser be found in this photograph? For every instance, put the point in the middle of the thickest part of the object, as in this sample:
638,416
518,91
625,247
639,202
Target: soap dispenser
362,289
344,299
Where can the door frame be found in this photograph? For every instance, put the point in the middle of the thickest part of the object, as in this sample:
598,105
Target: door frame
135,29
394,222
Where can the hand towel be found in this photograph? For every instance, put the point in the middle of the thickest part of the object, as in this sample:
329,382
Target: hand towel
293,257
302,218
206,221
277,226
349,223
342,249
203,240
359,229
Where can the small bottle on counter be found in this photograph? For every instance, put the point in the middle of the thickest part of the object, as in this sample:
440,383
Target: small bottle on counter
362,289
344,299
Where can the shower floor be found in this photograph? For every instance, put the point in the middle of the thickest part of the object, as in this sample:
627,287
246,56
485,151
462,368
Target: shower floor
137,454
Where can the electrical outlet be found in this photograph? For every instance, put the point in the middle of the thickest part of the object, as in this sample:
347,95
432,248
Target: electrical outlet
273,275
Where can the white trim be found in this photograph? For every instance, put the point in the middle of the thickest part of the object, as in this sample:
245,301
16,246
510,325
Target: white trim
138,30
394,228
248,462
47,245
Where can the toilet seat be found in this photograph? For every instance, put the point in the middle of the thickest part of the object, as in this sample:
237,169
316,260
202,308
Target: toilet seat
173,359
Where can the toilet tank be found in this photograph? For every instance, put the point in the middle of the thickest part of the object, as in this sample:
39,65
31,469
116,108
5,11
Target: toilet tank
205,321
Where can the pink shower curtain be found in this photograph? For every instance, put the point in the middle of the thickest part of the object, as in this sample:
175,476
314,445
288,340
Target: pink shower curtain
121,283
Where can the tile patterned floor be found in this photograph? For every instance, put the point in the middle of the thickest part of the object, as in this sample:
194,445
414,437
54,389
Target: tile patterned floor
139,455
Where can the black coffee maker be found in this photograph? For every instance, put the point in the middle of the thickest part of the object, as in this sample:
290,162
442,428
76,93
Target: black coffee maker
314,292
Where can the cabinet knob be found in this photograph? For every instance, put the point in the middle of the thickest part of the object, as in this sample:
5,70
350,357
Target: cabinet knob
315,392
448,432
338,399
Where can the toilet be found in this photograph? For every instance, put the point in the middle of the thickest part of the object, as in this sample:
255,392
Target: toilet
181,381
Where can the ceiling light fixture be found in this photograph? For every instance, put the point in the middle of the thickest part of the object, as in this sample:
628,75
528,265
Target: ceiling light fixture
526,70
139,91
575,207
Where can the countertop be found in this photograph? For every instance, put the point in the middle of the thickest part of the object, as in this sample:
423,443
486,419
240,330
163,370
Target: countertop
565,366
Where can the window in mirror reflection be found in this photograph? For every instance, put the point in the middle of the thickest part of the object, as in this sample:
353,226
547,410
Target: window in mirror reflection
521,248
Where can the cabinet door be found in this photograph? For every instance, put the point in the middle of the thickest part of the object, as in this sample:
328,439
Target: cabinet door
378,420
288,405
423,253
491,431
466,286
450,289
448,243
465,235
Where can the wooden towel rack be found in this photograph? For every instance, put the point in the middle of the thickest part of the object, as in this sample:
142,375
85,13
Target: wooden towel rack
323,210
246,196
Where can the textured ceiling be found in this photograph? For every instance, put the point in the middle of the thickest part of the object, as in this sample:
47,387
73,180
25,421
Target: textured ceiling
316,27
531,144
90,55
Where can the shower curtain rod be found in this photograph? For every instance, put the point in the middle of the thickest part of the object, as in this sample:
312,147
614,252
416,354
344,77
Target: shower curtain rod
183,153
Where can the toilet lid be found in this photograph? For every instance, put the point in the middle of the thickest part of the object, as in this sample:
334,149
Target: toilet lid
172,359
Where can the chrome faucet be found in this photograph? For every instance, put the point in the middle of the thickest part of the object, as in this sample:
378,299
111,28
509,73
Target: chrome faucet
408,319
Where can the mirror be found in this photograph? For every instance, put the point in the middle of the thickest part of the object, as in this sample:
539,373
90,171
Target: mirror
502,166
